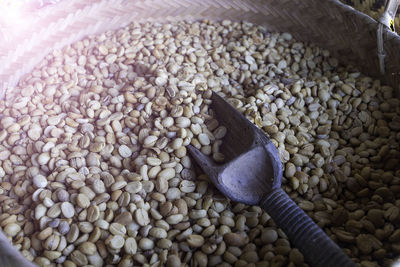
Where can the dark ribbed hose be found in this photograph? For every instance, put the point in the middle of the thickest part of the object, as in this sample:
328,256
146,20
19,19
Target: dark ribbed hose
318,249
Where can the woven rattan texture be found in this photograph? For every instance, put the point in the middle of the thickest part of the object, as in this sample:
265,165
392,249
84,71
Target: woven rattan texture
373,9
349,34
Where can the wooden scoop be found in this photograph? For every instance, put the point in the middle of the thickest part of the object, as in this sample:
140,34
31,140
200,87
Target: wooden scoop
252,175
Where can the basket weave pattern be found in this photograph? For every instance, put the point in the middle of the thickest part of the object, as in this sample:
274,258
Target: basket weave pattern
347,33
373,9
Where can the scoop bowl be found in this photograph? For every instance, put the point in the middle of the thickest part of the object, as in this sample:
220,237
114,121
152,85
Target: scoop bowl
252,174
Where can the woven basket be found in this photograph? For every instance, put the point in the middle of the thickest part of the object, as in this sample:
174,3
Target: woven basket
350,35
374,9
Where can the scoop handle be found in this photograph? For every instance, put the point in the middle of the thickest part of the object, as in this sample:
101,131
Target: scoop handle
318,249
